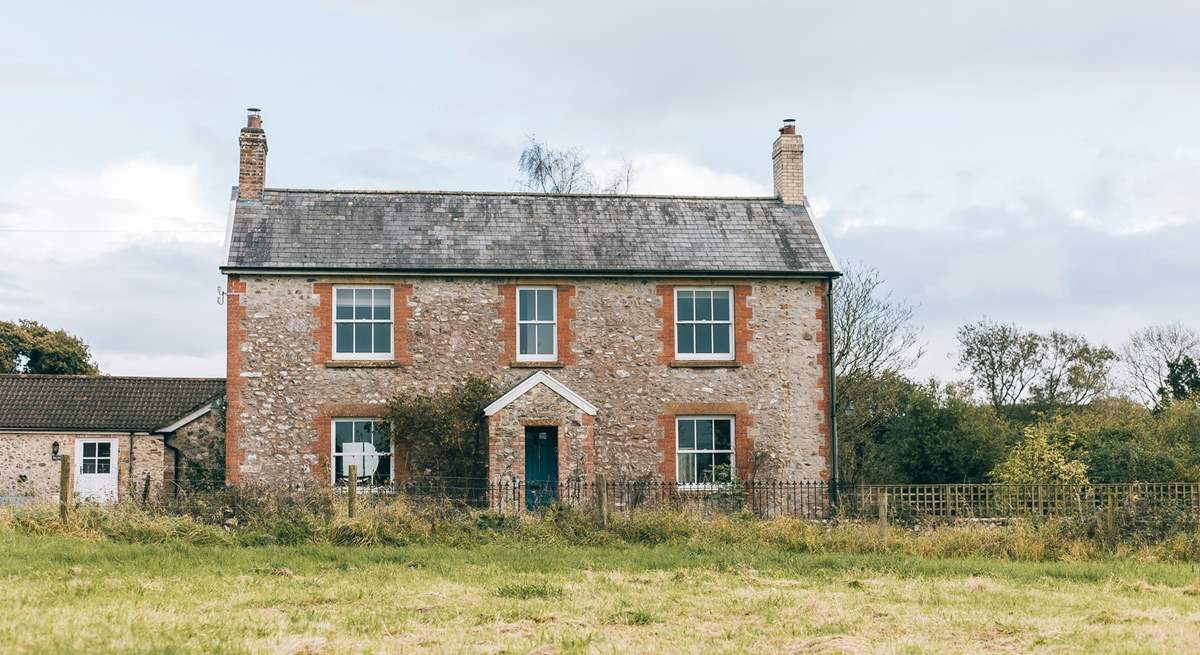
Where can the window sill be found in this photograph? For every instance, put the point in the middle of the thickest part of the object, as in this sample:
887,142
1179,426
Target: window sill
362,363
705,363
536,364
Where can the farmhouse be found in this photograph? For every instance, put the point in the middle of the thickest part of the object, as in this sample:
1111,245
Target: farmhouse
684,339
123,433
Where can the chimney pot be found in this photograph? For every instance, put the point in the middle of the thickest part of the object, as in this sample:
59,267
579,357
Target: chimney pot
253,117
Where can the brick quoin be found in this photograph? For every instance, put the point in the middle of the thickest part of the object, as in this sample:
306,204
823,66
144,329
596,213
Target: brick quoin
235,384
322,445
742,334
564,317
823,409
323,312
743,443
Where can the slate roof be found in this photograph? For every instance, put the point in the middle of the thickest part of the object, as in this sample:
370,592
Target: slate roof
96,403
424,231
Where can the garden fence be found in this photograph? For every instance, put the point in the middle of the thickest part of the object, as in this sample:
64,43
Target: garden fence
813,500
802,499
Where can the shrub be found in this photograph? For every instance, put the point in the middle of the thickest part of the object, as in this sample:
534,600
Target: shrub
1040,460
1134,526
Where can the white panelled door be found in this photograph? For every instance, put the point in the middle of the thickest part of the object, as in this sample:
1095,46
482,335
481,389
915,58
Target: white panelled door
96,469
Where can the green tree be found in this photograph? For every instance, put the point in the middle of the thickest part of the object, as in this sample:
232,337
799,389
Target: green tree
1073,372
443,434
30,347
942,436
1017,370
1042,457
866,404
1115,437
874,343
1001,359
1182,381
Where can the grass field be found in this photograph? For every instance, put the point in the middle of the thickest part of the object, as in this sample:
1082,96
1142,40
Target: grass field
69,595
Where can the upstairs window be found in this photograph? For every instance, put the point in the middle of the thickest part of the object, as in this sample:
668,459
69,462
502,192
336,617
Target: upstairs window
703,324
360,442
537,326
703,450
362,323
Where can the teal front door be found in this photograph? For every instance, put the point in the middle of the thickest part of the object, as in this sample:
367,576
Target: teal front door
541,466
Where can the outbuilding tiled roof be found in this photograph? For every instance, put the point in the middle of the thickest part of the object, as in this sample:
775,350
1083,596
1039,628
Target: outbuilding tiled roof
95,403
423,231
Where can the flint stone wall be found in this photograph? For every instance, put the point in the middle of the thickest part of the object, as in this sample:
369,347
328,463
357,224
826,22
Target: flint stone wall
27,470
455,331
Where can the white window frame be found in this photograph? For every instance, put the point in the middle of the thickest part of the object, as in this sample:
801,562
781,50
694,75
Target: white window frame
333,452
391,320
553,322
704,356
732,450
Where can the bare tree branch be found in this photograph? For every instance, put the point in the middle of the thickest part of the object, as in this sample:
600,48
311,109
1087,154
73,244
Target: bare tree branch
873,331
1001,359
546,170
1147,353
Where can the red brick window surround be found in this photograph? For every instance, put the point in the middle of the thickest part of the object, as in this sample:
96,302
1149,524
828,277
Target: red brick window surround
742,442
742,334
564,315
324,333
322,444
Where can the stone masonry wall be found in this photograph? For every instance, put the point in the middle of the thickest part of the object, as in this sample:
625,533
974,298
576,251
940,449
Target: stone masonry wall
277,386
26,467
540,406
201,448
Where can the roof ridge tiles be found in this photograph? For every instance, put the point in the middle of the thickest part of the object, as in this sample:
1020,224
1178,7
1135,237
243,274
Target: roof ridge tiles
526,194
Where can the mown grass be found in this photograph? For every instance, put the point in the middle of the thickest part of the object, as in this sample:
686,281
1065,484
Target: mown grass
64,594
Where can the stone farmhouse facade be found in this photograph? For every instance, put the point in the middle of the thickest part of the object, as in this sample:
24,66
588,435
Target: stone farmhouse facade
684,339
126,435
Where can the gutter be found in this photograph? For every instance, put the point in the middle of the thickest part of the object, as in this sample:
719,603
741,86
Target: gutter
832,404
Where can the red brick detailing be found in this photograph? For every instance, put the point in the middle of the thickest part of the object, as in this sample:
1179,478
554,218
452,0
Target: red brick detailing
666,335
323,442
741,324
743,444
323,312
324,315
822,339
742,334
235,384
564,314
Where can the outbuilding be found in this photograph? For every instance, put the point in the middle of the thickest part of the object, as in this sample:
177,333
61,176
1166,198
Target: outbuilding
125,435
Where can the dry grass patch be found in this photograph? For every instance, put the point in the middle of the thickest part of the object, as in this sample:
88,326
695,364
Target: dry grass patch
66,595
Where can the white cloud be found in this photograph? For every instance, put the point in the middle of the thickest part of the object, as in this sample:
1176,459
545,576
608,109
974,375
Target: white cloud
132,363
664,173
123,257
73,214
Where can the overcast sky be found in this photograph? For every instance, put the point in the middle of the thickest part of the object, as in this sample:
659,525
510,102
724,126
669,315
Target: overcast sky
1037,162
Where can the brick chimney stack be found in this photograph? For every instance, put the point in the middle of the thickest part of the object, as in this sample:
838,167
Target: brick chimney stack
252,163
787,155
